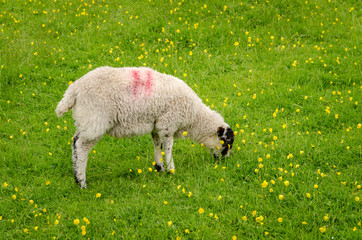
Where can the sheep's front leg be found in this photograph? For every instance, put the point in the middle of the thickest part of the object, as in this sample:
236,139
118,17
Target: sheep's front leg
158,155
80,150
168,143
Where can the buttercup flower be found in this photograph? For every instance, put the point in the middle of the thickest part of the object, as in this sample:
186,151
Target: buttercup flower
323,229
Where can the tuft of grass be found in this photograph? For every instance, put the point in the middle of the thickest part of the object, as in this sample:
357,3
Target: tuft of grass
286,76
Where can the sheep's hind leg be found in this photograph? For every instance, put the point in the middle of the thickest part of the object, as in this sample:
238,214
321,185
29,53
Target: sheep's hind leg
80,150
158,154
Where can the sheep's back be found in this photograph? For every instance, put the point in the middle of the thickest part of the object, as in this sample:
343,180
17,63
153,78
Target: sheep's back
130,97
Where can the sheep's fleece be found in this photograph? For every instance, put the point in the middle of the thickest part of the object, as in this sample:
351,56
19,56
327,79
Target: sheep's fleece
125,102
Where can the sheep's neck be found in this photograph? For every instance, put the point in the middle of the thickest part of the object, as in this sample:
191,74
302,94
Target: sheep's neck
205,125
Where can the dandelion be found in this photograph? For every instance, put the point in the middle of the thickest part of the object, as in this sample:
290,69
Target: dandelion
304,223
76,221
315,186
184,133
286,183
280,219
281,197
264,184
98,195
5,184
14,197
308,195
201,210
244,218
47,183
326,217
169,223
356,199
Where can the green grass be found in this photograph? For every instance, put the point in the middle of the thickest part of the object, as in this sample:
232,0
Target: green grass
278,71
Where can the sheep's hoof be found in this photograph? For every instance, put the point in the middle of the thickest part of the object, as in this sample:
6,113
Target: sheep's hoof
81,183
158,168
172,171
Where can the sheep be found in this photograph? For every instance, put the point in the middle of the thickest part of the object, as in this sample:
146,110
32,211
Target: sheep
130,101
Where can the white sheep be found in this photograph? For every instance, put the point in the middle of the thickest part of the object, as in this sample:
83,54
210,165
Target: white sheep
125,102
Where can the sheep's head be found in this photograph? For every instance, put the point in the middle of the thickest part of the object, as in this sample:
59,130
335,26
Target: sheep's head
226,140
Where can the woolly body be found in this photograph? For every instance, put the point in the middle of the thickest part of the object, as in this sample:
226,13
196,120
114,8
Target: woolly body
124,102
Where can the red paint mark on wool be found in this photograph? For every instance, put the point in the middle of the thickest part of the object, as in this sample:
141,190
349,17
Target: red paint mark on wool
142,86
136,82
149,83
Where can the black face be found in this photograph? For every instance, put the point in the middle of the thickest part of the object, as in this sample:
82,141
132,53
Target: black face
227,136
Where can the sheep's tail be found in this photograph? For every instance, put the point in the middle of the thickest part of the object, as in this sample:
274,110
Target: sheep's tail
67,101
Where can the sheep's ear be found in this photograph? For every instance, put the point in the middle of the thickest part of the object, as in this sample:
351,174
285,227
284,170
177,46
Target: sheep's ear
220,131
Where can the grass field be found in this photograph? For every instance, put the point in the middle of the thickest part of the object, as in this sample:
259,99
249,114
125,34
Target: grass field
286,76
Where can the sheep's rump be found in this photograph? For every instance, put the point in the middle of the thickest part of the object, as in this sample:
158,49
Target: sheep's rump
130,101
